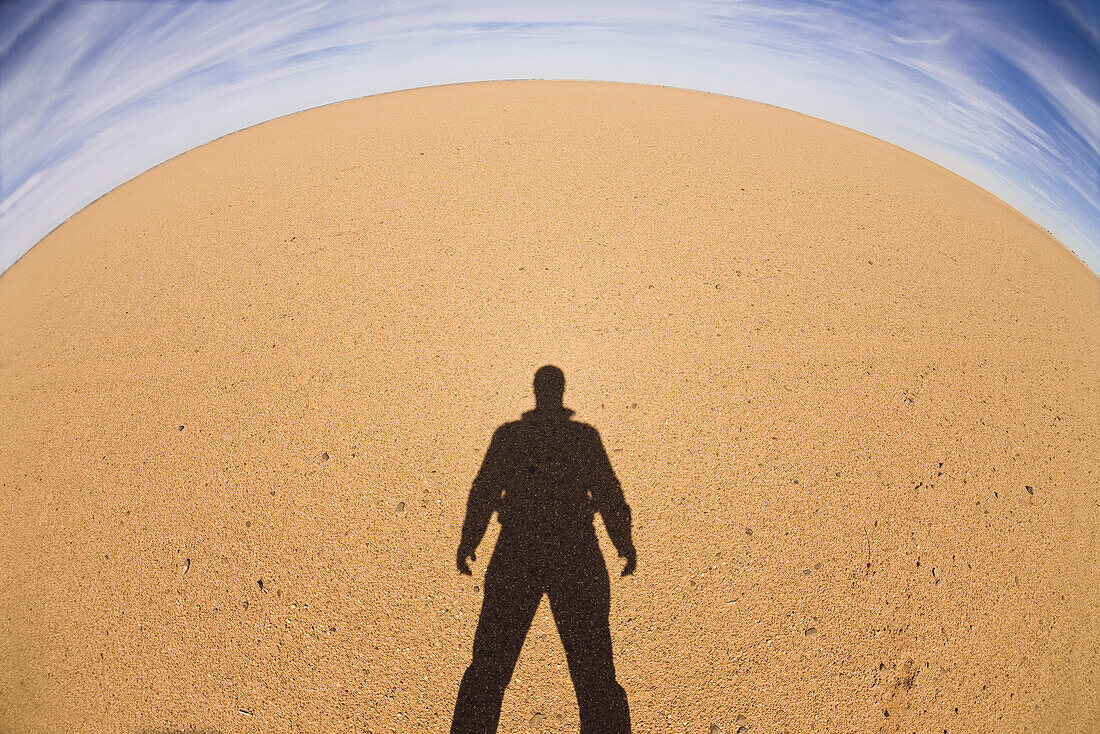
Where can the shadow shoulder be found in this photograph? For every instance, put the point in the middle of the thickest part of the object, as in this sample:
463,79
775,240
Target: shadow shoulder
507,429
584,428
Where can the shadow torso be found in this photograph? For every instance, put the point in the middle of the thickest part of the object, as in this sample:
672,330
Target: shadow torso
547,474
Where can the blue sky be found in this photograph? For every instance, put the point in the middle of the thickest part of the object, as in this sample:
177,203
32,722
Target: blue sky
1005,93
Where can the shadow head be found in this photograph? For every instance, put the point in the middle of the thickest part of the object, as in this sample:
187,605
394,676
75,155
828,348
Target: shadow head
549,387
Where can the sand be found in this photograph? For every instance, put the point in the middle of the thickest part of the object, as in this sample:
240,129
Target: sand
852,399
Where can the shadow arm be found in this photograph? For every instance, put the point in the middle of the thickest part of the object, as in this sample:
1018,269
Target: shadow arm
607,495
484,495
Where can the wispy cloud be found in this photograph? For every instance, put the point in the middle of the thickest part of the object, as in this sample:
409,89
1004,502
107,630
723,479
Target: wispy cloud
1005,93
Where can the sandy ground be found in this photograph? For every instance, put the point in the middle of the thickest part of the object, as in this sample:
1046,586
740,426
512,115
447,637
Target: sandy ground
852,398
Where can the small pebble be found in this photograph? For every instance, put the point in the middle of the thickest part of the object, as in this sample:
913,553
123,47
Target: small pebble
537,720
748,531
324,456
400,506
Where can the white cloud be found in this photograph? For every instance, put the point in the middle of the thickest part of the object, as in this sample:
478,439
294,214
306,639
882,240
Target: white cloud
920,73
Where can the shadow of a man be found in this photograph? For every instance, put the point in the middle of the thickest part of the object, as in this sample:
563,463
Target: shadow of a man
545,475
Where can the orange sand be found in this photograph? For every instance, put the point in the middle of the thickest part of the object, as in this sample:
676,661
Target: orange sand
777,324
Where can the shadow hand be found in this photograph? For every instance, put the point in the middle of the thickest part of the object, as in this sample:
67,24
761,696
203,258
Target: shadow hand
463,566
631,563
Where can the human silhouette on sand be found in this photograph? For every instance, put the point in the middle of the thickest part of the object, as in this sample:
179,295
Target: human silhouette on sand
545,475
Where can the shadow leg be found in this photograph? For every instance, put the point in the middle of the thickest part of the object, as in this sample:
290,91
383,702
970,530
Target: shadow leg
511,598
580,599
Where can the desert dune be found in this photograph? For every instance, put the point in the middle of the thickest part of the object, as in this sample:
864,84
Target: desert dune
852,399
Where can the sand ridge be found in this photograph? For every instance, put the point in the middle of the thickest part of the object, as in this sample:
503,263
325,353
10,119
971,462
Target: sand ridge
852,399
